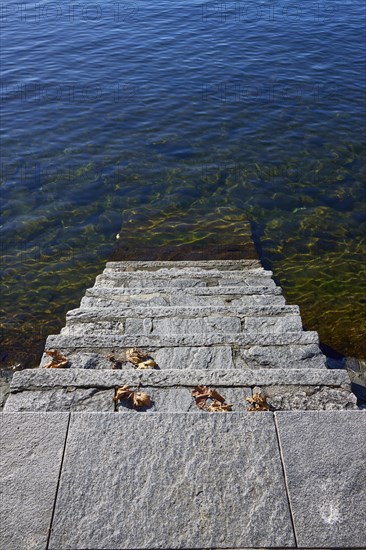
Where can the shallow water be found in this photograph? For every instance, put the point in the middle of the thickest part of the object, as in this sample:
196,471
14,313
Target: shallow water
137,115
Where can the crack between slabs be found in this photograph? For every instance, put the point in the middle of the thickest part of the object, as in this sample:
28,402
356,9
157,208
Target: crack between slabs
285,479
58,482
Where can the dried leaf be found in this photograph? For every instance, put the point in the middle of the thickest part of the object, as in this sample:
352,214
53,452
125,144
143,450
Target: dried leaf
216,402
58,361
140,399
258,403
123,393
218,406
148,364
138,357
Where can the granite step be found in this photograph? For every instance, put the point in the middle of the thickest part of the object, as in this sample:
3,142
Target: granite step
207,358
105,299
181,281
151,326
90,315
177,340
171,391
219,265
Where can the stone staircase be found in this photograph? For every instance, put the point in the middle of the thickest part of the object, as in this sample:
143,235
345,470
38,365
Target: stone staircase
75,474
223,324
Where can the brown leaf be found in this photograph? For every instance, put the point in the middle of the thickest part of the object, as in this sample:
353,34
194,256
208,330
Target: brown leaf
123,392
138,357
218,406
258,403
148,364
58,361
202,394
140,399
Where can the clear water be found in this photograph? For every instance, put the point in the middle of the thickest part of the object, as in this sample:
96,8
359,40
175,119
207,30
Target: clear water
131,114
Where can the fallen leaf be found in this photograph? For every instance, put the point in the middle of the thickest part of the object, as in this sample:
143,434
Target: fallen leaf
138,357
218,406
140,399
148,364
123,393
58,361
258,403
210,400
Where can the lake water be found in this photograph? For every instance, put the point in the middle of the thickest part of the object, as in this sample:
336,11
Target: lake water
129,114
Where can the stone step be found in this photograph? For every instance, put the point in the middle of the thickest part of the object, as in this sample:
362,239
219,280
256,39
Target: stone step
151,326
92,315
215,357
220,265
153,280
115,341
111,298
171,391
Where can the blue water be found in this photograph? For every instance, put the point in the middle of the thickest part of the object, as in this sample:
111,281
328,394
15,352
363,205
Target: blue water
114,113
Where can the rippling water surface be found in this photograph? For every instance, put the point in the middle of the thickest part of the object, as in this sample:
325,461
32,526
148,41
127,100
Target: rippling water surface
135,114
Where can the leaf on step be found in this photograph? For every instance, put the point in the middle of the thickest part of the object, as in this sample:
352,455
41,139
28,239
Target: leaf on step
210,400
141,359
58,361
138,398
218,406
123,393
258,403
148,364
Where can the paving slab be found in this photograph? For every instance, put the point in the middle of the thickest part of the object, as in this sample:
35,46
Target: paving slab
61,400
112,341
32,446
89,378
202,264
171,481
324,456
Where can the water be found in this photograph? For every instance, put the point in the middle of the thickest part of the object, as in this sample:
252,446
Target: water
132,114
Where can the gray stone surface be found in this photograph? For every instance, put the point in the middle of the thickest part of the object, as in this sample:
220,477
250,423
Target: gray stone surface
91,315
309,356
201,264
171,481
213,291
32,445
61,400
110,341
180,400
312,398
58,378
324,457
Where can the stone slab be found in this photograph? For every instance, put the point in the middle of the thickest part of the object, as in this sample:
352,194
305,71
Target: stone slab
309,398
91,315
138,484
58,378
277,356
123,301
180,400
244,290
32,446
202,264
324,457
177,340
61,399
